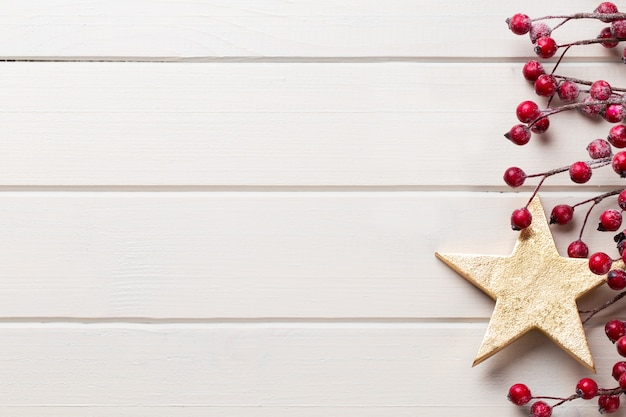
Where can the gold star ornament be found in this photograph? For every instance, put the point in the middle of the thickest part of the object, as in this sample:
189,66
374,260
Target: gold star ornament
534,288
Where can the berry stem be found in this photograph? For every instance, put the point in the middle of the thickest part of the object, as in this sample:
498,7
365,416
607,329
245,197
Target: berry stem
583,82
591,41
607,17
602,307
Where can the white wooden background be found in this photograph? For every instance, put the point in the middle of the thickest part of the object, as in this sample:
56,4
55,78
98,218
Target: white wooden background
231,207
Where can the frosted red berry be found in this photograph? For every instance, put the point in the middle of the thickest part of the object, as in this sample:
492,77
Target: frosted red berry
600,263
607,33
614,329
619,164
616,279
562,214
586,388
527,111
580,172
606,7
539,30
608,403
540,409
600,90
519,134
614,113
610,220
545,85
514,177
540,126
546,47
618,369
519,394
621,200
568,91
599,148
591,110
521,218
618,27
519,23
578,249
617,136
532,70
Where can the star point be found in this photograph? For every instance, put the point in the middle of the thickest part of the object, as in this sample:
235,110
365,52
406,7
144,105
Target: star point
534,288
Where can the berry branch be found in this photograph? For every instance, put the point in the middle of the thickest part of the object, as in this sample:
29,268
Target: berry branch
592,99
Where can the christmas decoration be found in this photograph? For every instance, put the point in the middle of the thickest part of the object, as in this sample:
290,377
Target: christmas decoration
534,288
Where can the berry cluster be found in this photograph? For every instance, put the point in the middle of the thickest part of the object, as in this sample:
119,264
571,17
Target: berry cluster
593,99
608,399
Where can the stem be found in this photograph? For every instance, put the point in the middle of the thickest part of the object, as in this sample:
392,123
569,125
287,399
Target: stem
583,82
603,306
608,17
576,106
592,41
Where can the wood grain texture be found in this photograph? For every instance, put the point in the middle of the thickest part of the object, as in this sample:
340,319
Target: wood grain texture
334,368
209,29
314,125
253,254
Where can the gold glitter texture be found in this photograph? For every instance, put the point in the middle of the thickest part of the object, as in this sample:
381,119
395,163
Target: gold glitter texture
534,288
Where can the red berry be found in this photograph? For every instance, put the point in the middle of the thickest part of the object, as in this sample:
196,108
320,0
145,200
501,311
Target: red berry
618,369
616,279
527,111
606,8
619,164
562,214
606,33
599,149
514,177
532,70
600,263
519,23
519,134
592,110
618,27
610,220
614,329
540,126
568,91
621,346
600,90
578,249
545,85
539,30
580,172
521,218
546,47
540,409
622,381
586,388
614,113
621,200
617,136
519,394
608,403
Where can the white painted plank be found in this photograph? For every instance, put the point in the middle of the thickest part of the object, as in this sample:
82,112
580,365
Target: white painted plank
398,124
252,254
274,28
261,411
411,367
